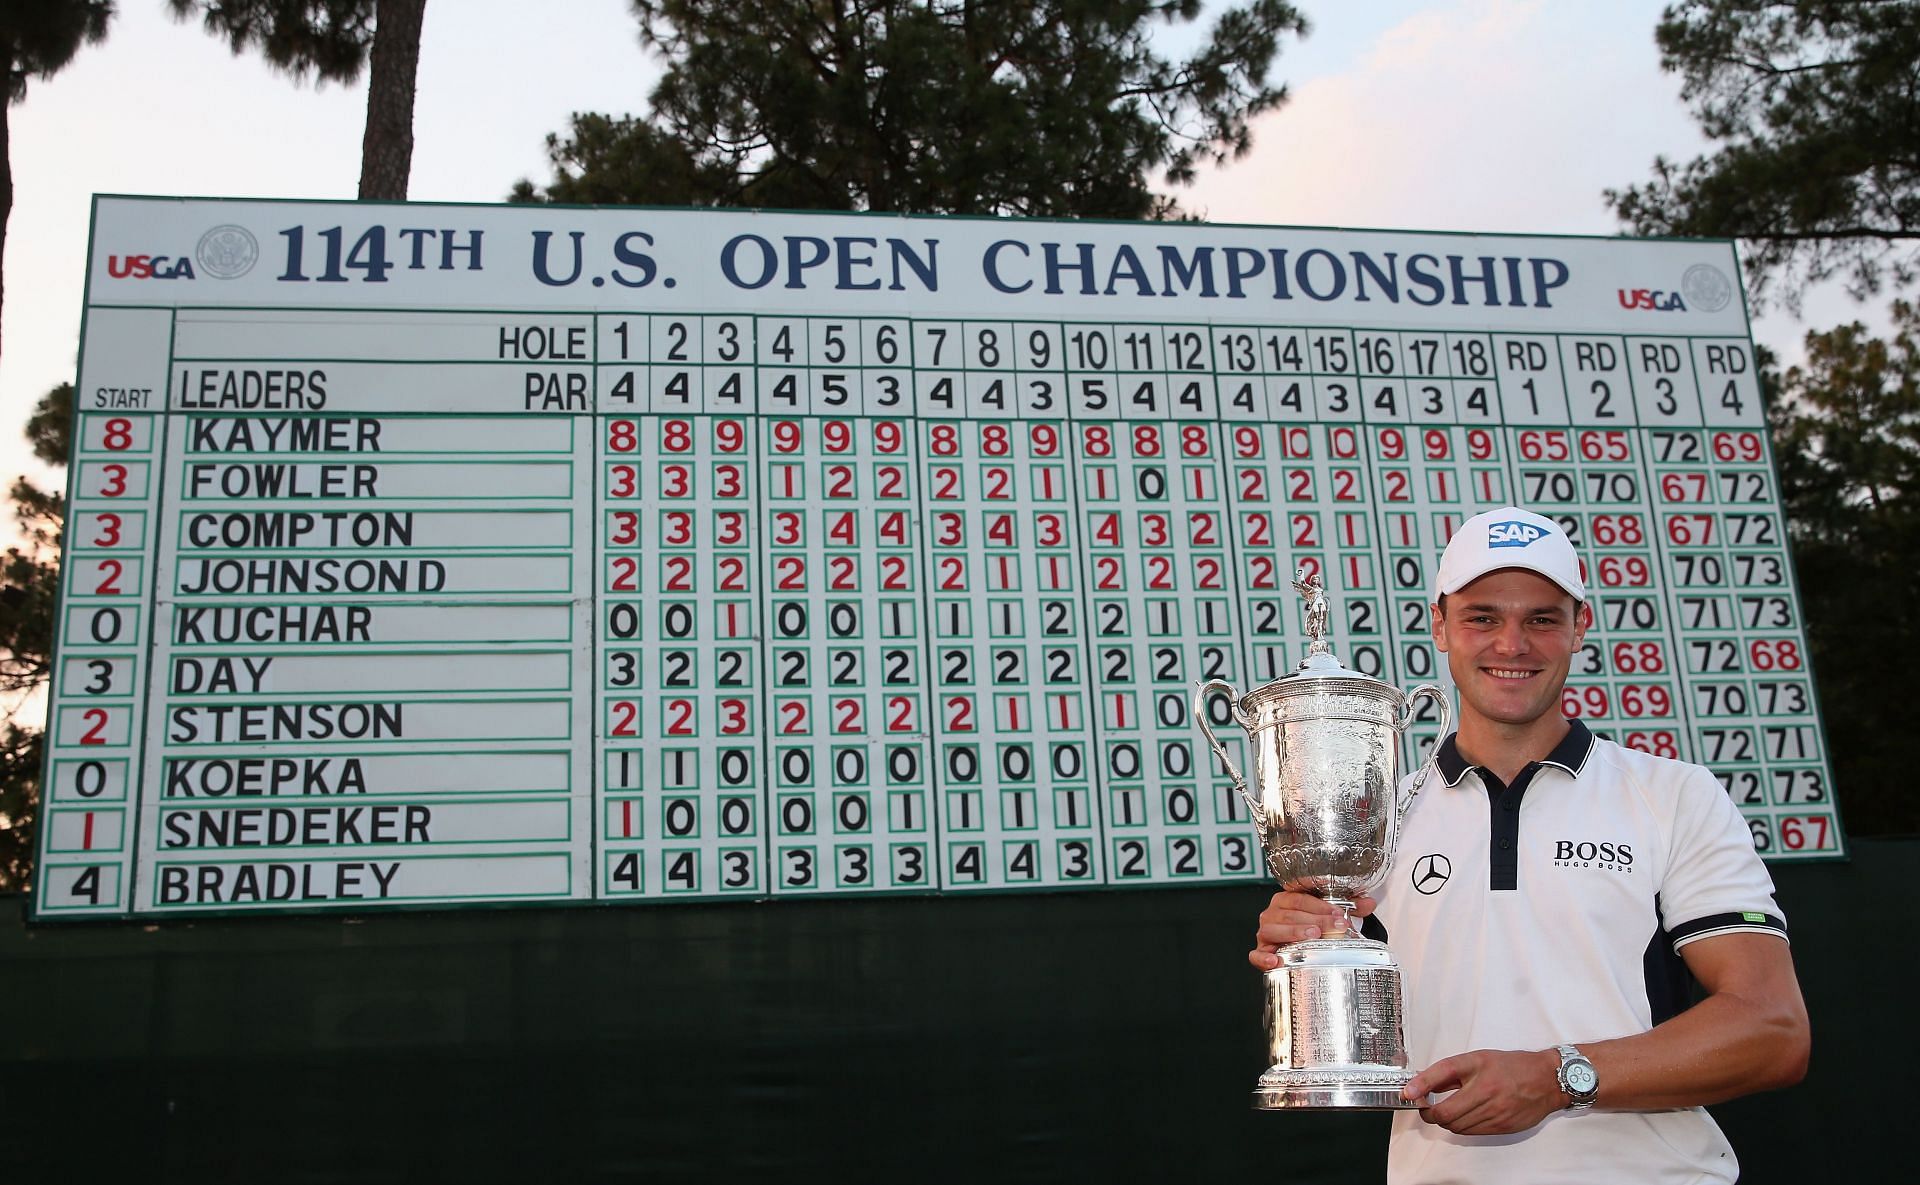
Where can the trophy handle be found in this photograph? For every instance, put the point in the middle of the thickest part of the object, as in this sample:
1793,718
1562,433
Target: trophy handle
1200,692
1438,694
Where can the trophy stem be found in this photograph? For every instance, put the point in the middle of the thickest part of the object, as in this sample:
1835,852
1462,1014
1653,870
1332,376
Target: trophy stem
1343,926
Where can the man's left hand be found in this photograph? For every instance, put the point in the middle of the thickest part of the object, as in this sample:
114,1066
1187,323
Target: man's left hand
1496,1092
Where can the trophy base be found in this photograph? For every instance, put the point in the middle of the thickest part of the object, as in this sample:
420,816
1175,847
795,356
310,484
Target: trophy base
1375,1088
1333,1023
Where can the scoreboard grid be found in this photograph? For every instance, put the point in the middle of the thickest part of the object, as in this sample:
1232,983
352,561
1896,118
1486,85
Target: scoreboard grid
873,603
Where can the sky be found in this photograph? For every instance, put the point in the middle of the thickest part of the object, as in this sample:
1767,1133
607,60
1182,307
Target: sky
1474,115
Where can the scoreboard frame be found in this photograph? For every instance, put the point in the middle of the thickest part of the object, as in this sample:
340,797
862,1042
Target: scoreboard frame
796,543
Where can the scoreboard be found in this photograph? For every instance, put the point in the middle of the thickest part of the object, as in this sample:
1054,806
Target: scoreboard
430,555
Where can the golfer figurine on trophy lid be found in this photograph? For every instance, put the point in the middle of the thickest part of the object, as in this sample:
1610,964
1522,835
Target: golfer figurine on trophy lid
1326,804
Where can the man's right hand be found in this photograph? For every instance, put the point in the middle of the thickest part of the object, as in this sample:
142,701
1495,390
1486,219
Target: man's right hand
1295,917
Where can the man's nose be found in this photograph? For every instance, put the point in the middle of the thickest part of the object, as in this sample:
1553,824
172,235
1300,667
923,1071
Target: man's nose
1511,638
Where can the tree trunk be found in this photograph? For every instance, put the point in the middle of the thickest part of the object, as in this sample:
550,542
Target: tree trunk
386,152
6,178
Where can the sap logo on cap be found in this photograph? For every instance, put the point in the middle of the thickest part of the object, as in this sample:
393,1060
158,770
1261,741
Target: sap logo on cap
1513,534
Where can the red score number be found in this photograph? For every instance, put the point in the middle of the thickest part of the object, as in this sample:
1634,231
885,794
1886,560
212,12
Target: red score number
1737,446
1638,658
1634,700
109,535
836,436
1660,744
729,528
1652,700
1605,446
1780,654
1803,832
1536,445
1617,530
626,528
1690,530
109,583
98,720
1683,487
1576,702
1625,571
788,436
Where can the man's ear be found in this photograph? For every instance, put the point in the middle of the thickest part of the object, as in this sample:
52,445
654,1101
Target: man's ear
1582,621
1435,621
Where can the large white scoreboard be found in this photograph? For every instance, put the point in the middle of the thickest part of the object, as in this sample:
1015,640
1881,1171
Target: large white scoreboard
430,555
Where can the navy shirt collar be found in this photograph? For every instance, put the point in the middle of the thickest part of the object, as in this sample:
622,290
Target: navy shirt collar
1570,754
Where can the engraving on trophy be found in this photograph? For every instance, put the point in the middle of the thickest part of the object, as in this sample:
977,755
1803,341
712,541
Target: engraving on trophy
1327,805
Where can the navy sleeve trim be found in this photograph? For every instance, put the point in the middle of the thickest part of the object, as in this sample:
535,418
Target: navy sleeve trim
1749,922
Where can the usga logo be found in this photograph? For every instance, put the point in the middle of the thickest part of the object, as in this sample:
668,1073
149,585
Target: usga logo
1513,534
149,267
1656,299
225,253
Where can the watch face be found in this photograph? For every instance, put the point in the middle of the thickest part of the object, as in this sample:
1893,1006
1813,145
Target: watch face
1581,1078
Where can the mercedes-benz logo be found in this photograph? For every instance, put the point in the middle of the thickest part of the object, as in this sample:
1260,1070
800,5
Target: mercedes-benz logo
1430,872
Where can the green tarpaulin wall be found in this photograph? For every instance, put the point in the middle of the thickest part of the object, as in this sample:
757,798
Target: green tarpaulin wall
1104,1036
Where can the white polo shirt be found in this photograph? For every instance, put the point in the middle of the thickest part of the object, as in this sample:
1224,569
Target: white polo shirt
1553,911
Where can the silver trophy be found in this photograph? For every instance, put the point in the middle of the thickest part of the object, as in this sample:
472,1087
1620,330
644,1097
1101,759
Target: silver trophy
1326,804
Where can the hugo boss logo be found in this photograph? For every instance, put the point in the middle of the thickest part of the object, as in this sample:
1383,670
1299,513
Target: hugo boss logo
1430,872
1613,857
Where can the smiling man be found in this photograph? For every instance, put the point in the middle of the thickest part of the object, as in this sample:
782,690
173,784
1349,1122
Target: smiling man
1550,895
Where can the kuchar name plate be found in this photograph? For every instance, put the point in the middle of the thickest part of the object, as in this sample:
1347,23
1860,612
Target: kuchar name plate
427,555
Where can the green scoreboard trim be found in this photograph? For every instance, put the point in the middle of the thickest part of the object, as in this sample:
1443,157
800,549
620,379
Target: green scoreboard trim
886,571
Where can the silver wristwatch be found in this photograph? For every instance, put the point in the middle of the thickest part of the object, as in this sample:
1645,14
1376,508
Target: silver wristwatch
1578,1078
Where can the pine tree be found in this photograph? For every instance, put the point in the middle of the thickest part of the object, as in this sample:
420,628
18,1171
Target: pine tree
1034,107
37,39
29,583
1846,429
333,40
1815,110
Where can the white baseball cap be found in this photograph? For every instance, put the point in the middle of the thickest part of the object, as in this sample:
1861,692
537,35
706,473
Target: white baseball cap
1508,538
